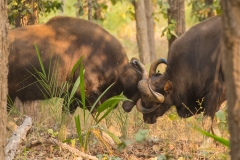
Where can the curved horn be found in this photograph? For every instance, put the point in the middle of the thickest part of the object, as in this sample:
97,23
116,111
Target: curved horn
141,109
144,87
157,95
154,65
142,68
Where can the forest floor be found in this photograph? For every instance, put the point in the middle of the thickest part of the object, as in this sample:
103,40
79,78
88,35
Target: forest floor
171,138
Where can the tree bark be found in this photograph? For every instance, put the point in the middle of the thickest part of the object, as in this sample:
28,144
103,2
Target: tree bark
231,52
4,52
28,18
90,10
78,7
142,32
176,12
150,29
210,13
62,11
18,136
97,11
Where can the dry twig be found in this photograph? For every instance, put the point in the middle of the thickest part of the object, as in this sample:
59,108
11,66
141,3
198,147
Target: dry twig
53,141
17,137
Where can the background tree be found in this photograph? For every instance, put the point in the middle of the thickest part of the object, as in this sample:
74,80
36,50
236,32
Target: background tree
231,52
142,31
90,10
176,19
150,28
210,11
3,74
28,14
97,10
22,13
203,9
145,30
92,7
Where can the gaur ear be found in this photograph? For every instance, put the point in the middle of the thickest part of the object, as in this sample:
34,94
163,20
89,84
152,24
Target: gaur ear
168,87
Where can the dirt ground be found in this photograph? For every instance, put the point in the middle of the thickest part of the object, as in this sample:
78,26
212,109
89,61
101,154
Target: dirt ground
170,138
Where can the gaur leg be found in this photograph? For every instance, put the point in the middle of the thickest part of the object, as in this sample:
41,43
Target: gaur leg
212,103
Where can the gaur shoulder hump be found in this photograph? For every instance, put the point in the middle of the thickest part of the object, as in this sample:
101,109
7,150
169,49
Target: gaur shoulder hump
61,21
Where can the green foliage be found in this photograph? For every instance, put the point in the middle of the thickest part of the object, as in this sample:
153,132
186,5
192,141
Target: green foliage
121,118
221,115
107,157
48,84
170,30
141,135
20,8
99,8
47,81
114,1
200,9
173,116
162,157
46,6
102,111
114,138
118,17
10,105
216,138
52,133
80,6
164,6
69,96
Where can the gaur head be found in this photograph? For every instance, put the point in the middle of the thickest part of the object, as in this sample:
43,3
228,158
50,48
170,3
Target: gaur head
194,72
154,90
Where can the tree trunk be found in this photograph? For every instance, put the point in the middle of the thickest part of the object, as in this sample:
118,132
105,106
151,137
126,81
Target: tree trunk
231,52
150,29
142,32
63,5
28,18
78,8
4,52
210,13
97,11
176,12
90,10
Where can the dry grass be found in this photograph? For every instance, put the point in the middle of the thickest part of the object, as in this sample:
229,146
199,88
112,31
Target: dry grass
170,136
176,137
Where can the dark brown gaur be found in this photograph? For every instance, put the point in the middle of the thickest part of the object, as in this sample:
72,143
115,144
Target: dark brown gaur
145,84
194,72
65,40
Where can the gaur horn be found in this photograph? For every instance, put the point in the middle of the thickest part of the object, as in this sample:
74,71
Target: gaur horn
158,96
154,65
144,87
142,68
141,109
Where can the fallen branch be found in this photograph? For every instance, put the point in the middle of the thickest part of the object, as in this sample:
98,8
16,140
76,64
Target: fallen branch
11,125
73,150
38,142
17,137
53,141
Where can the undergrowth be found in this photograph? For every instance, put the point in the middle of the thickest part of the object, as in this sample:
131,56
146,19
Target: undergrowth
170,137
